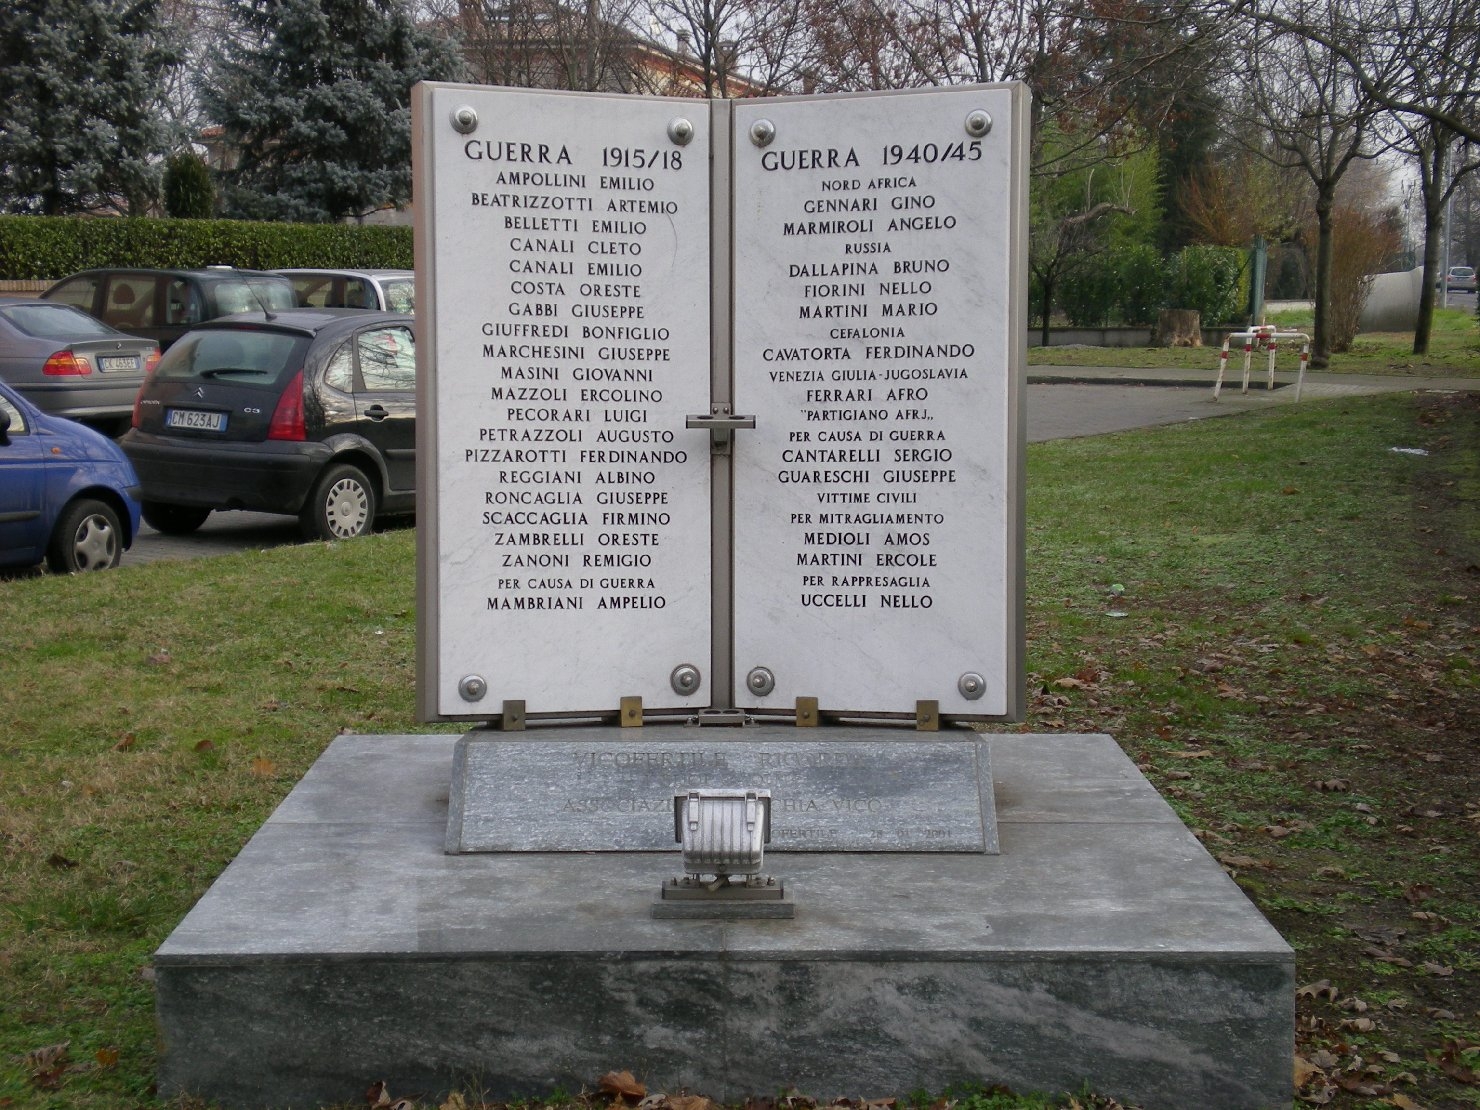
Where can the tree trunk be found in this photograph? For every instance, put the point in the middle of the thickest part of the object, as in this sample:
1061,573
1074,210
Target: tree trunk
1179,327
1434,230
1320,345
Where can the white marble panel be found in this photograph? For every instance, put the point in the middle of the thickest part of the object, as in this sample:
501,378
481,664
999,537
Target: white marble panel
877,282
567,244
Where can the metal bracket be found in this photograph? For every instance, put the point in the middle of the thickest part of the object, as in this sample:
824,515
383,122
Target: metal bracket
927,716
722,425
807,715
631,713
732,718
512,719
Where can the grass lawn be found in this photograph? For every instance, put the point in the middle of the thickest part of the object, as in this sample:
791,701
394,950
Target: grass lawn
1276,614
1454,351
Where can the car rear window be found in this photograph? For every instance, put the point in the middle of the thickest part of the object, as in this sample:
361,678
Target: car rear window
55,321
233,354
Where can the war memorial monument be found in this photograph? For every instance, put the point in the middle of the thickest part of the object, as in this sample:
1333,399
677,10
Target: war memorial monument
720,565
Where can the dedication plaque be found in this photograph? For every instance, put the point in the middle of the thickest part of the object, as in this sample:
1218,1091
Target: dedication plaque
601,794
563,284
879,263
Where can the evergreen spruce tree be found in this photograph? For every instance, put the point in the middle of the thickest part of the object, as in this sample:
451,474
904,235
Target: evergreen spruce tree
80,83
314,99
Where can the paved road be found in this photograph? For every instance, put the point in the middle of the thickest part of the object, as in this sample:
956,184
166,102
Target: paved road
1063,402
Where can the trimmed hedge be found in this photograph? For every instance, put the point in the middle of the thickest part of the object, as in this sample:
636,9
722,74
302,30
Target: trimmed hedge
39,248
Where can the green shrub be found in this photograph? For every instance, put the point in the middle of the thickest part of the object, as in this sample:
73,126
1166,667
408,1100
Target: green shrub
188,191
1140,284
1087,292
43,248
1207,279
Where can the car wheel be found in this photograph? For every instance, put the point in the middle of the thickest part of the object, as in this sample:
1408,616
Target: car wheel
87,537
174,520
341,506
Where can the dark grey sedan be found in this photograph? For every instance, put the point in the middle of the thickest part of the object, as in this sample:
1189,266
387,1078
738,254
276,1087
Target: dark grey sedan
308,411
67,363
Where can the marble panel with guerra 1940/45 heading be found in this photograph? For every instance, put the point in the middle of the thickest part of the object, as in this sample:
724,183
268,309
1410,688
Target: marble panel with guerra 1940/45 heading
875,263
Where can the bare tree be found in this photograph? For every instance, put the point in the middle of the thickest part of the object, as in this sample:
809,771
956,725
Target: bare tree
1243,195
548,44
1317,117
1443,163
1406,55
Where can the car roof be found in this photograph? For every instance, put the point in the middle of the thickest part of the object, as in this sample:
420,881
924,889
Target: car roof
306,321
334,272
211,272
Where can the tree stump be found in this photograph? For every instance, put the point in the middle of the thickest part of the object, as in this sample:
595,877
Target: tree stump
1179,327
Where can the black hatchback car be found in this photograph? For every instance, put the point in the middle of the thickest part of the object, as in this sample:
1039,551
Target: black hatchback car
310,412
163,305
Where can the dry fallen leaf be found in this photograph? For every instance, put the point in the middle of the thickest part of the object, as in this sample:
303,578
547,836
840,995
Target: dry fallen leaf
47,1065
1403,1102
1305,1071
1321,988
621,1084
204,746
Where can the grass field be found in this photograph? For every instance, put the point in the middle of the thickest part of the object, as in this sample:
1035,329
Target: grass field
1454,351
1277,615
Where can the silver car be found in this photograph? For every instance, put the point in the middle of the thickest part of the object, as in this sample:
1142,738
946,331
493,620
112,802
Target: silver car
386,290
70,364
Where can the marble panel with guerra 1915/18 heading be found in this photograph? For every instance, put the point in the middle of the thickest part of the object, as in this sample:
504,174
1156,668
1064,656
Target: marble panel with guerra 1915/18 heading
566,243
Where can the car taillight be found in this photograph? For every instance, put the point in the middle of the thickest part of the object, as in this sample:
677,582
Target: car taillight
287,418
65,363
151,360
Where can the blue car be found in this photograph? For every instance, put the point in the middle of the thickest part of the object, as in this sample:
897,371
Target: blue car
68,494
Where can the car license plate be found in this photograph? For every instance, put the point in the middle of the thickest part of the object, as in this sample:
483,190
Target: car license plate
117,362
195,419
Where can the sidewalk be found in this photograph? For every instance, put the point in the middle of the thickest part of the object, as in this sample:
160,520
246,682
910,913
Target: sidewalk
1318,383
1071,401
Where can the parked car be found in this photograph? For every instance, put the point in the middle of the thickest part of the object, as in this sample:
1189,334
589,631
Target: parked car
388,290
310,412
67,493
67,363
163,305
1461,279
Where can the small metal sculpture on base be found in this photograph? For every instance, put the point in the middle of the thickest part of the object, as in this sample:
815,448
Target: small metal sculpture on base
723,833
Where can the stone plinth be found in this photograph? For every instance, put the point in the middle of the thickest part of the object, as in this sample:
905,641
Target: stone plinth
1103,944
